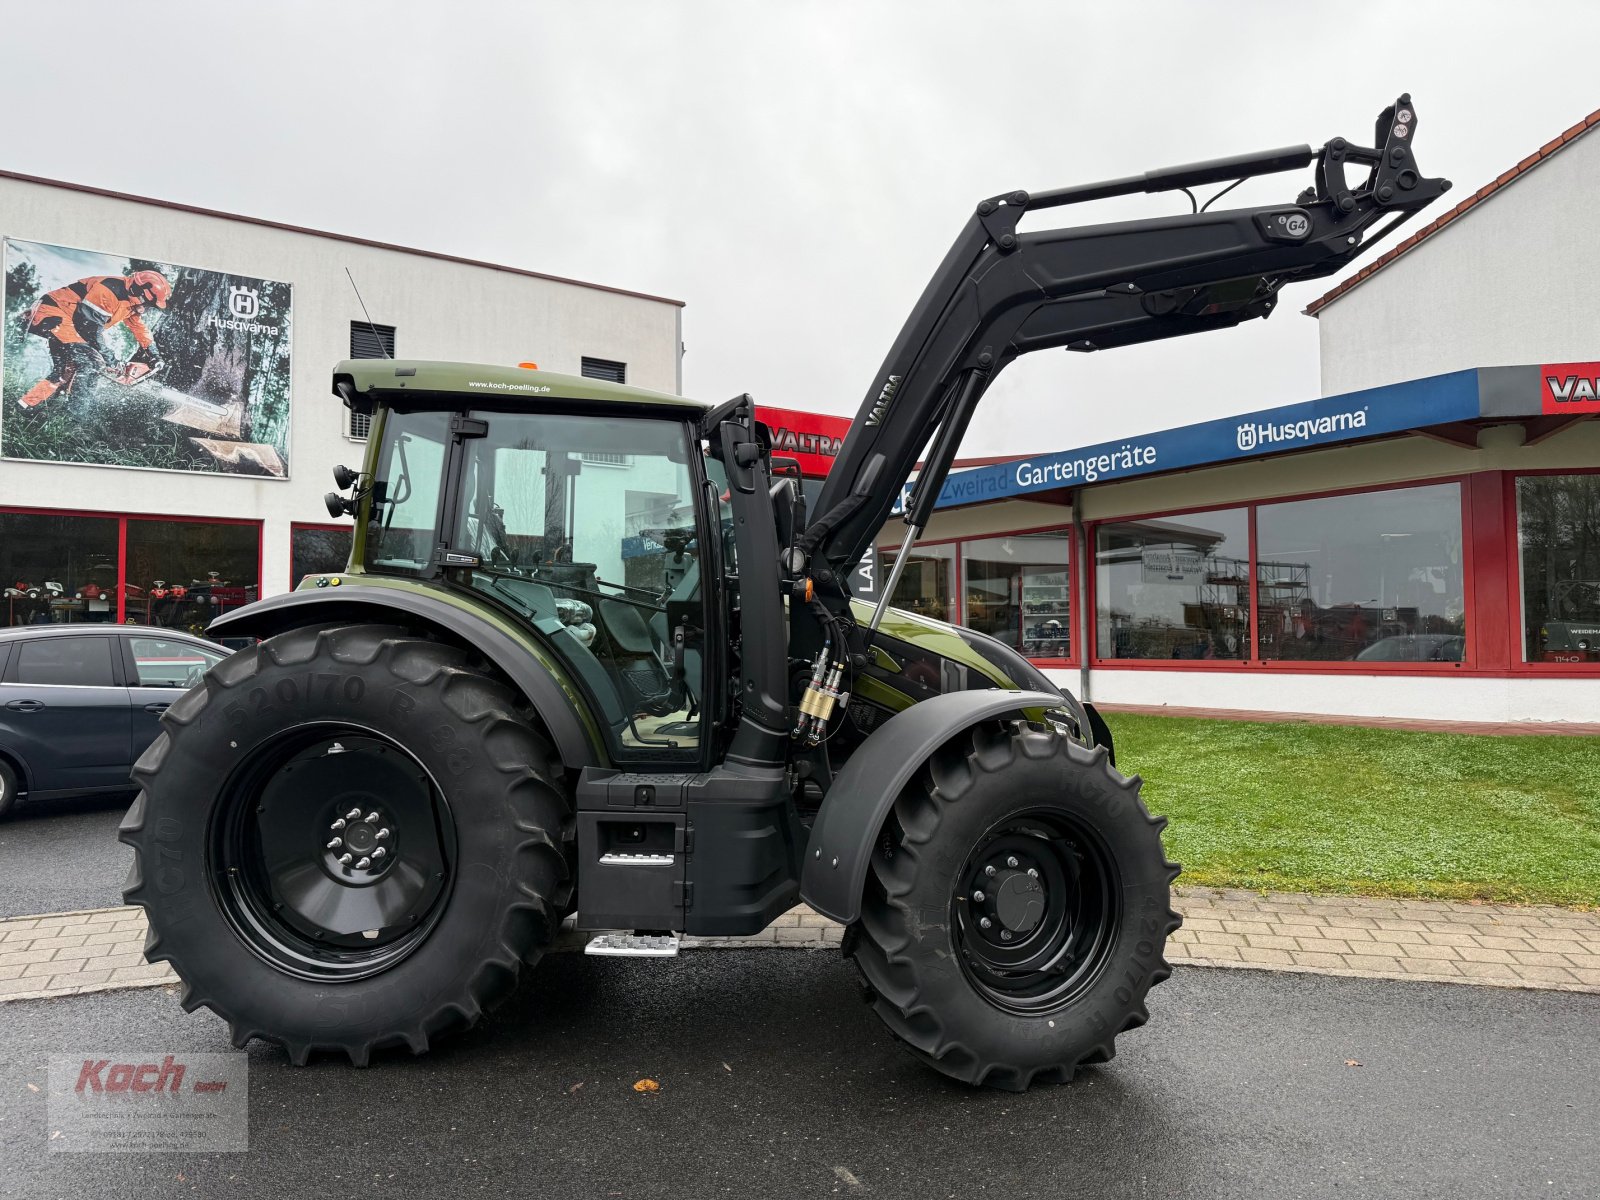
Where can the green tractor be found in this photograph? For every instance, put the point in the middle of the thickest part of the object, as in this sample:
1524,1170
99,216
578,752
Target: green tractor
593,661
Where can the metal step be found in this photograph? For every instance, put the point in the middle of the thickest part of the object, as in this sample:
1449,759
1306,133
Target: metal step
634,945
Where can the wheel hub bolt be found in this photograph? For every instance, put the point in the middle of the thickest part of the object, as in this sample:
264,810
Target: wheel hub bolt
335,844
985,923
372,817
1033,873
379,852
352,814
363,864
382,833
1011,861
337,825
346,859
1005,935
989,870
977,897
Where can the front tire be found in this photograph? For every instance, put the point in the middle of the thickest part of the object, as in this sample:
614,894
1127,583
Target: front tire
1016,910
348,839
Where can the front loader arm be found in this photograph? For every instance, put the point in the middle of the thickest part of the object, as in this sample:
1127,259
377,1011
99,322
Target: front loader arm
1000,293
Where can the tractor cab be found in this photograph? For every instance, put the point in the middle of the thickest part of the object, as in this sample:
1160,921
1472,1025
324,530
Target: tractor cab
571,507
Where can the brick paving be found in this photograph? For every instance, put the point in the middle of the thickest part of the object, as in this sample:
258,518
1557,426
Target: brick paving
1483,728
65,954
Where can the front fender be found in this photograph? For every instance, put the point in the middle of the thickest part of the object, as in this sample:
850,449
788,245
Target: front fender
858,803
294,610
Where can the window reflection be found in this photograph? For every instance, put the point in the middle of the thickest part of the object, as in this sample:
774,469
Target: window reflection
56,570
1558,523
1174,587
1018,590
927,586
1375,576
185,574
316,551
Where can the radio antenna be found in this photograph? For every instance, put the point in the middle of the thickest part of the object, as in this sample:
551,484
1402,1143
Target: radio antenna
376,336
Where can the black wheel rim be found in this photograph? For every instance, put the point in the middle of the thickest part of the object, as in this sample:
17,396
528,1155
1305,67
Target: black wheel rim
332,853
1036,911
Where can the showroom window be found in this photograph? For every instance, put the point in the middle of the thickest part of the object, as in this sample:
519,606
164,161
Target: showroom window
1174,587
1558,538
184,574
1369,577
1017,589
318,550
927,586
57,569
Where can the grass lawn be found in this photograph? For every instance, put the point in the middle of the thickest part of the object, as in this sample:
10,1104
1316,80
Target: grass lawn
1330,808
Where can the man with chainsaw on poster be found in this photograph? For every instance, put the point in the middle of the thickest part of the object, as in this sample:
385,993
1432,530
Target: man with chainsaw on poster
73,319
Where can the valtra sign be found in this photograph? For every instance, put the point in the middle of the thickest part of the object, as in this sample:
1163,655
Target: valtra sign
813,439
1571,389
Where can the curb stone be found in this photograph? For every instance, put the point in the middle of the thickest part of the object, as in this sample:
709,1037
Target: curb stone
1495,945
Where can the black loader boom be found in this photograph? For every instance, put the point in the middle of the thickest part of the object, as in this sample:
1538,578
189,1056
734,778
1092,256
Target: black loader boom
1000,293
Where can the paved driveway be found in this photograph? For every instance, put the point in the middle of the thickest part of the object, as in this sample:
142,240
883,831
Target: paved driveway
776,1081
63,856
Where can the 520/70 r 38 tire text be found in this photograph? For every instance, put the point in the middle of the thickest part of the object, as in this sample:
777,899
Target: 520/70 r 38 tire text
348,839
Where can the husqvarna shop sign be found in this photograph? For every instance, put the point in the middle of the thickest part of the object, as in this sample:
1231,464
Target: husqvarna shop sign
1397,408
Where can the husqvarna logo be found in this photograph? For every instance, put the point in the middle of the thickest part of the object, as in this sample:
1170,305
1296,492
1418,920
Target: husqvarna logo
1571,388
244,302
1251,434
244,309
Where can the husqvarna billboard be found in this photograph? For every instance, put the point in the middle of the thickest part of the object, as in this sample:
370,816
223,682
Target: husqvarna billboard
117,360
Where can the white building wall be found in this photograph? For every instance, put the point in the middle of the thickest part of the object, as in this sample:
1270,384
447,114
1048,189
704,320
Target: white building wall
440,309
1415,697
1511,280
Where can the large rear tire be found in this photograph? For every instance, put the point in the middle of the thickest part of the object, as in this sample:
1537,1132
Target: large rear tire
347,839
1016,910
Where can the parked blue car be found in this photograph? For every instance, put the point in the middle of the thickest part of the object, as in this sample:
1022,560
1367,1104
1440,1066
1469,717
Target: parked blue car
79,703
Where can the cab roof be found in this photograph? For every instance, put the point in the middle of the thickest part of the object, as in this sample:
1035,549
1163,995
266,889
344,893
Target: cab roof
487,385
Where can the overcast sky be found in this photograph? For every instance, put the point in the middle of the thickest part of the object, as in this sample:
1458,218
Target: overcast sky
793,171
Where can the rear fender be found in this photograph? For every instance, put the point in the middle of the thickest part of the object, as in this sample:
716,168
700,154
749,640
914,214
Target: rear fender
858,803
295,610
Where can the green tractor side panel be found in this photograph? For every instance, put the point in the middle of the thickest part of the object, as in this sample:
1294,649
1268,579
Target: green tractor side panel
934,637
483,612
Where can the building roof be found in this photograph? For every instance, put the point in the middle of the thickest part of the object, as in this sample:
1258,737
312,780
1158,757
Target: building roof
495,386
1450,408
1566,138
322,233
